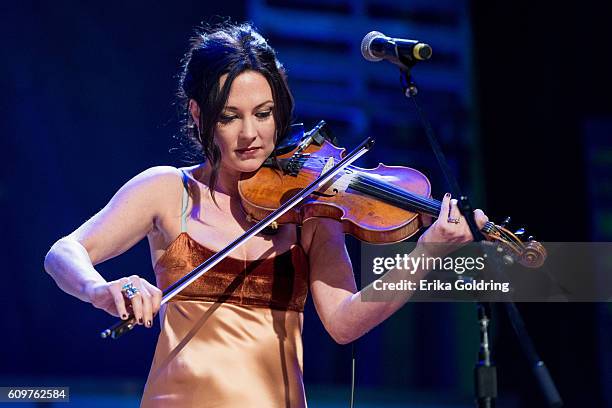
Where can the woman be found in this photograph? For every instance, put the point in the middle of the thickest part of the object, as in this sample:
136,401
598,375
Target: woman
233,338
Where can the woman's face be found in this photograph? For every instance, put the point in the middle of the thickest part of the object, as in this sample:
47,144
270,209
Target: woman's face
246,130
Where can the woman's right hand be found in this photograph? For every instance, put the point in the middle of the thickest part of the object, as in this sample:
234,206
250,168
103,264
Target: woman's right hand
109,297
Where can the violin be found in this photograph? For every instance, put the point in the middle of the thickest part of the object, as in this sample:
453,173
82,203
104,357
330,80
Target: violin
383,205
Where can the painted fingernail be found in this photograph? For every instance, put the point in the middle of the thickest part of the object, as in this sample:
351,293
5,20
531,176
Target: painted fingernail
447,195
148,323
140,320
124,316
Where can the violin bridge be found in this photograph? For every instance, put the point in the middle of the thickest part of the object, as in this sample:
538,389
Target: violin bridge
328,165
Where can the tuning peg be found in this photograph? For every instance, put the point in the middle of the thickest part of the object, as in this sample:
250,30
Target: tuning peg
508,260
519,231
505,222
531,238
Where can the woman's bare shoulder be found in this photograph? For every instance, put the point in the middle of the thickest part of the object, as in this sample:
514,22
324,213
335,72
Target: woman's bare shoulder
158,175
158,181
156,187
162,182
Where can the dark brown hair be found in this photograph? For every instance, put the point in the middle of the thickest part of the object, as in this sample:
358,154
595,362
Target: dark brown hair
227,49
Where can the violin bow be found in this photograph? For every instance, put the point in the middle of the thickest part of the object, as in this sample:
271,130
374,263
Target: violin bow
123,326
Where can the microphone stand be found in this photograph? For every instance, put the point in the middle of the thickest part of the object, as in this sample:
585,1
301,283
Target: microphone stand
485,372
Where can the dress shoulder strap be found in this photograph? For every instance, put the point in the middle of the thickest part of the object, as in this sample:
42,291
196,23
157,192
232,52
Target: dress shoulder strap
185,201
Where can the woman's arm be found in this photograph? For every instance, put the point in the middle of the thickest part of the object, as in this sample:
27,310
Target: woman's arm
128,217
344,314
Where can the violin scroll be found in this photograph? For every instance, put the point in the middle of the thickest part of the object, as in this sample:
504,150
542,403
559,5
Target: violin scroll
529,253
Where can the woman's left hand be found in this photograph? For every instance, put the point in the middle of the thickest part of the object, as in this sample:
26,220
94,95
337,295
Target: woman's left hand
450,228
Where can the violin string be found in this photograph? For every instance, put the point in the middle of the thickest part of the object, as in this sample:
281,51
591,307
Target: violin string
431,203
423,202
387,188
435,204
349,180
366,181
383,191
508,238
418,201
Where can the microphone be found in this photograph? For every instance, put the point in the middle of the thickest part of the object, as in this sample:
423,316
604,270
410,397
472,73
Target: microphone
376,47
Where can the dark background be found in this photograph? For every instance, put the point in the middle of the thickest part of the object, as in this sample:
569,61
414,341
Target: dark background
88,102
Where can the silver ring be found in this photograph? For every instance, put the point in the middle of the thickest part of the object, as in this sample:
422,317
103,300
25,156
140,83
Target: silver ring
129,290
453,220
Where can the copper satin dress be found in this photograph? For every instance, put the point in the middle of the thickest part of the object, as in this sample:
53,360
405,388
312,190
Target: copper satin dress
233,337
